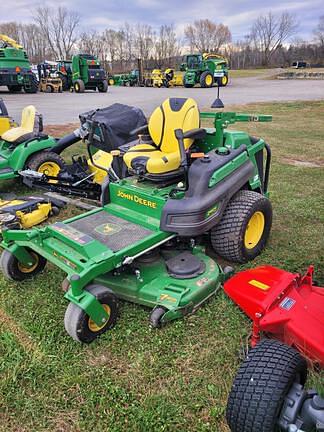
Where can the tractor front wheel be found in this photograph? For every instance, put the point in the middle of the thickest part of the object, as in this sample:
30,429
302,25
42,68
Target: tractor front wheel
16,271
206,80
79,86
261,386
244,228
103,87
80,326
223,81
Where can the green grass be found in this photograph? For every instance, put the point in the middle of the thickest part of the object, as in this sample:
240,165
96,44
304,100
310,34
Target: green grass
246,73
177,378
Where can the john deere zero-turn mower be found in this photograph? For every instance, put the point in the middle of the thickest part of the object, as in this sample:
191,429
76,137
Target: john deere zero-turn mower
142,245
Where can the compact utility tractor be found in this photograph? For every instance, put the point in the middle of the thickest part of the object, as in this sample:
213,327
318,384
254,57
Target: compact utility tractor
205,69
83,72
145,244
15,69
288,328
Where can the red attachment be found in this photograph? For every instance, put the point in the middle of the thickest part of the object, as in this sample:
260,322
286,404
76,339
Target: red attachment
284,306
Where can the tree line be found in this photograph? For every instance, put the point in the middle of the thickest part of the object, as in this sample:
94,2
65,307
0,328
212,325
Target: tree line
55,33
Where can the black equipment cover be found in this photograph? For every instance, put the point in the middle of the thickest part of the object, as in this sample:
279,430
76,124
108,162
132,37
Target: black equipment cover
111,127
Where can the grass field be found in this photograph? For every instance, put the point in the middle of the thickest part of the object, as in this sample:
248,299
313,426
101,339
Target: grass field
246,73
177,378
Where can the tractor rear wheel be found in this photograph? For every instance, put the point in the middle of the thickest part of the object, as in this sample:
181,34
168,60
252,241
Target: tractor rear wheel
14,270
261,385
33,85
48,163
14,88
65,82
79,86
244,228
103,87
80,326
206,79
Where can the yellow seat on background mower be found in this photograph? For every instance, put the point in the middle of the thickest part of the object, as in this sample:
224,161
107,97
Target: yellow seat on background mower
27,129
164,155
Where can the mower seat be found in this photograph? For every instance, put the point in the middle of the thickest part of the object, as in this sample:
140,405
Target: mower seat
30,127
163,154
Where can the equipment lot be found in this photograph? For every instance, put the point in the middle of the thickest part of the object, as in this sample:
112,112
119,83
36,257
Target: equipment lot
65,107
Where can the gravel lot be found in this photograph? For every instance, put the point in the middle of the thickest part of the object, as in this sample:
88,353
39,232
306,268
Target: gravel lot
65,107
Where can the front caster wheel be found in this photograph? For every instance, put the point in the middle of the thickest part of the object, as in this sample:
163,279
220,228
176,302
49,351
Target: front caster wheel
261,386
156,316
80,326
16,271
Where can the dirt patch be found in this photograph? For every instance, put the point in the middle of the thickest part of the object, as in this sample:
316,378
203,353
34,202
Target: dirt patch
302,164
25,341
61,130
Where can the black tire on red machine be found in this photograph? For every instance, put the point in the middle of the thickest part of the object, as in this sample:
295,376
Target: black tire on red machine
244,228
261,386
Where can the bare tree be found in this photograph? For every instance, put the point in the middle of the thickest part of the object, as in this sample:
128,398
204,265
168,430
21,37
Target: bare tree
59,28
319,31
269,32
166,45
143,41
207,36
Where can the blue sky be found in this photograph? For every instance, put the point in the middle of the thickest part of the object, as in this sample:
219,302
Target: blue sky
237,14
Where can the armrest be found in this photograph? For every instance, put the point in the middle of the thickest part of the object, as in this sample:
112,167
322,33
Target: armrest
138,130
198,133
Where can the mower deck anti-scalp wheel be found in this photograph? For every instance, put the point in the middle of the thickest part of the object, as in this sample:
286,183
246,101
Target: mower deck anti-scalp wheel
14,270
244,228
46,162
261,385
80,326
156,316
206,79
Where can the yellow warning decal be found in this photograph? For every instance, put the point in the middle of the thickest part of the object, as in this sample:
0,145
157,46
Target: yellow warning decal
259,285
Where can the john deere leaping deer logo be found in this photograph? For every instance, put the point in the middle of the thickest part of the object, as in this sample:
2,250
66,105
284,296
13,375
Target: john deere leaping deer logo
108,228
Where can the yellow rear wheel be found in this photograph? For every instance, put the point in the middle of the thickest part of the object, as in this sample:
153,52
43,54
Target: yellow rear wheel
254,230
33,267
209,80
48,163
49,168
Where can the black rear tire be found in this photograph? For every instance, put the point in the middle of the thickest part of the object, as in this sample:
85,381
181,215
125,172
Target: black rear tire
228,237
103,87
53,160
261,385
79,86
33,86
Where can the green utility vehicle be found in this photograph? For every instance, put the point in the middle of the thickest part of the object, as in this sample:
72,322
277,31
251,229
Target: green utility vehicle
84,72
15,69
146,243
205,69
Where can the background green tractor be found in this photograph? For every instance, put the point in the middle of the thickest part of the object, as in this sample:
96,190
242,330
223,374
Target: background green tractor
15,69
205,69
84,72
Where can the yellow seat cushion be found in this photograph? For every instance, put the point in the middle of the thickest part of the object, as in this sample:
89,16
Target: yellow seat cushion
157,162
174,113
26,128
